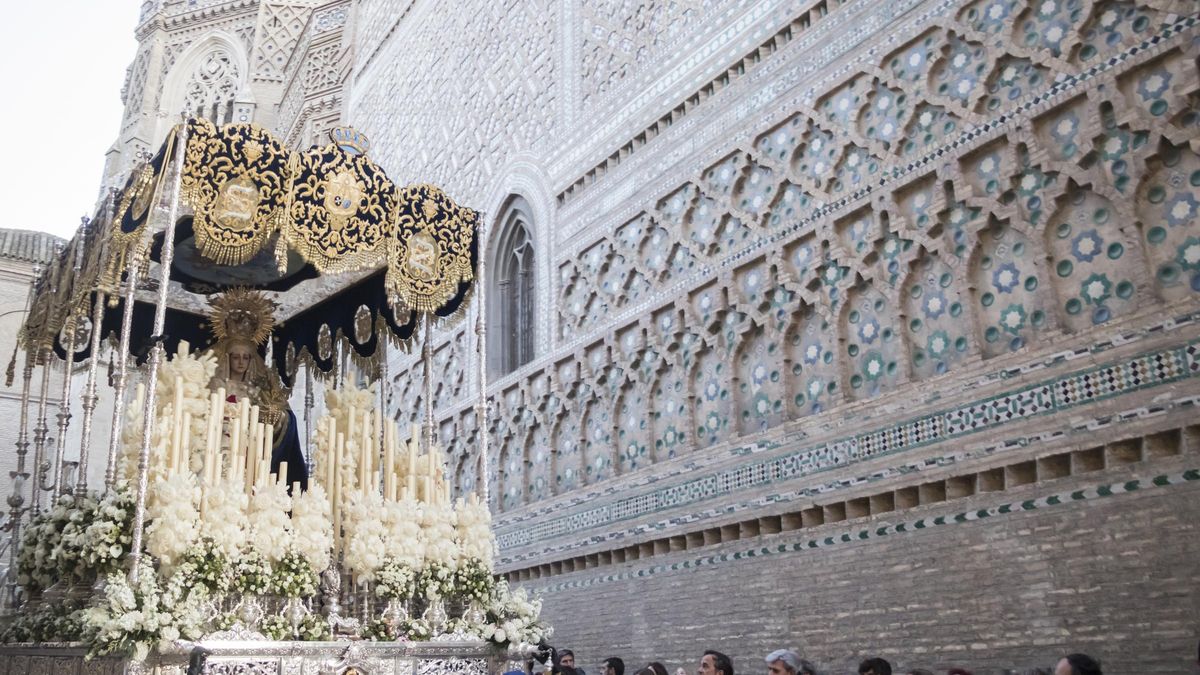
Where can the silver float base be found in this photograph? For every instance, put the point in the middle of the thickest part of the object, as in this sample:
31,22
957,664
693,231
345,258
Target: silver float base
265,658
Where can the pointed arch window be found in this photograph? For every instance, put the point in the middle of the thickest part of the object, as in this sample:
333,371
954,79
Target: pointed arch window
511,290
212,88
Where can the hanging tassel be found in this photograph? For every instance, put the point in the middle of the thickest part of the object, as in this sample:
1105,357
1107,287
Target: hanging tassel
12,369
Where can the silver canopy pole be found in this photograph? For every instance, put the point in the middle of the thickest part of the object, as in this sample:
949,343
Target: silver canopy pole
20,476
481,406
132,267
89,389
64,404
41,432
156,352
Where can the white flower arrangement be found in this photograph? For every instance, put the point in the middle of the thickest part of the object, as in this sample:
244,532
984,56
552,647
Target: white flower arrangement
403,537
206,564
225,520
131,441
51,622
312,527
436,580
514,618
312,627
78,539
68,554
252,573
474,532
364,529
339,402
270,526
294,577
473,580
108,538
397,579
41,545
131,620
173,511
438,526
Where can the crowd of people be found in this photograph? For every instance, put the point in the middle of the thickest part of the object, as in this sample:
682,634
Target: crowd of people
789,662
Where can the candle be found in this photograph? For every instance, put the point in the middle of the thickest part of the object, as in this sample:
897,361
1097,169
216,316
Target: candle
178,398
327,467
183,454
332,436
235,444
368,439
337,483
212,416
389,462
282,475
427,486
412,451
243,419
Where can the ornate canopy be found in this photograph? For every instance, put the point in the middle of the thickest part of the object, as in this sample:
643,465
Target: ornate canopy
345,254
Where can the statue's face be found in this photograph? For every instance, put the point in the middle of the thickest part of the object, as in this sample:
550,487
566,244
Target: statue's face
239,360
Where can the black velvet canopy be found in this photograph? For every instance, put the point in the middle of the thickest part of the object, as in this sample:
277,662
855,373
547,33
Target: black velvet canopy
268,218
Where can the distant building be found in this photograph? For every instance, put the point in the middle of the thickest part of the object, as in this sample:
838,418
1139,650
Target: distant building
22,252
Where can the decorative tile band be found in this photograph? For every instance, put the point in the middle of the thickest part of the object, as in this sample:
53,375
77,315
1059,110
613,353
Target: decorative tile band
1089,425
868,533
538,510
1050,396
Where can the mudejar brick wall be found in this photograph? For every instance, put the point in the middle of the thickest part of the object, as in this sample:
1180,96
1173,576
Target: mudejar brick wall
1113,577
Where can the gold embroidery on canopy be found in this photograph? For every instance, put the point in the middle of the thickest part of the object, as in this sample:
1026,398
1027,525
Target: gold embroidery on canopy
338,216
235,180
431,252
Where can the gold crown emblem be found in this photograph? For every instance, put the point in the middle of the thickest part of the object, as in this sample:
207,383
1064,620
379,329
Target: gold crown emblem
350,139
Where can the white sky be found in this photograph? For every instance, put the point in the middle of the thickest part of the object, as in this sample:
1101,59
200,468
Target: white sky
63,64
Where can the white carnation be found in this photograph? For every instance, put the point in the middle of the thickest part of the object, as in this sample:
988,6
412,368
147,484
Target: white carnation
174,517
270,526
474,532
225,520
363,524
403,538
437,523
312,527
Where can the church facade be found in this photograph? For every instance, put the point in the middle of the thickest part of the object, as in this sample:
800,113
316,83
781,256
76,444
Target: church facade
853,326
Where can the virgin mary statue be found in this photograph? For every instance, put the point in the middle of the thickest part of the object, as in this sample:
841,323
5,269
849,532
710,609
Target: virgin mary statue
241,321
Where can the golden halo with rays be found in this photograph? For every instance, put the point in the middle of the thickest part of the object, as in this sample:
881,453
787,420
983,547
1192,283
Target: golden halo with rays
242,314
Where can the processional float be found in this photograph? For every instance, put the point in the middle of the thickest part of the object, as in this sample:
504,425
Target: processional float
225,267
